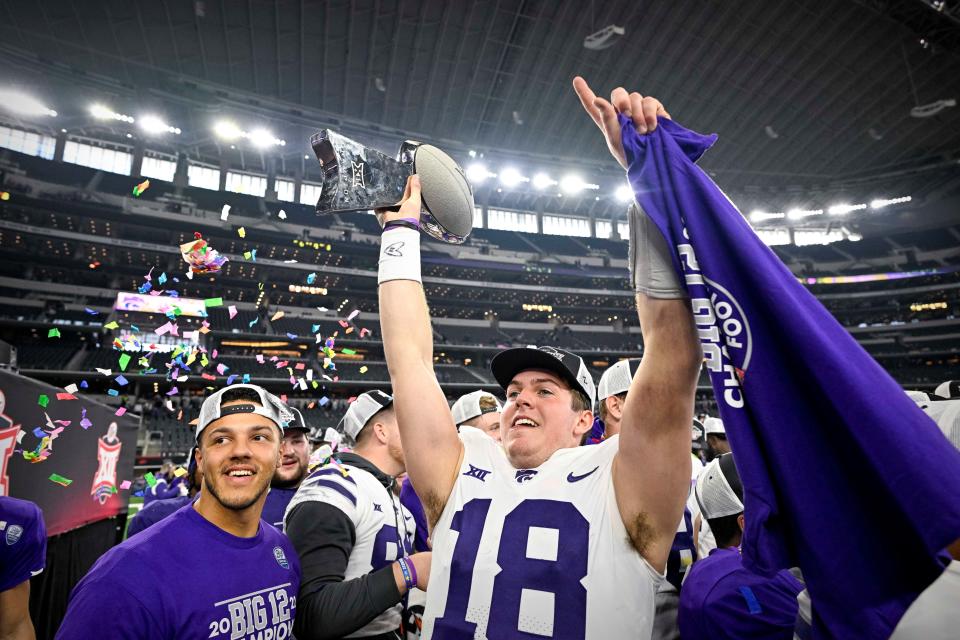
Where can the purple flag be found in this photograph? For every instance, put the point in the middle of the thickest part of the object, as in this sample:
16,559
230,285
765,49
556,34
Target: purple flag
843,475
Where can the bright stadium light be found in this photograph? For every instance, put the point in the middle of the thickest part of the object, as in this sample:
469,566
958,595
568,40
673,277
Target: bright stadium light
154,125
624,193
510,177
100,112
477,173
572,184
760,216
227,130
23,104
797,214
262,138
881,203
843,209
543,181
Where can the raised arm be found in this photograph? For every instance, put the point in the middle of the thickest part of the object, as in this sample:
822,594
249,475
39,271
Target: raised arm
651,471
431,446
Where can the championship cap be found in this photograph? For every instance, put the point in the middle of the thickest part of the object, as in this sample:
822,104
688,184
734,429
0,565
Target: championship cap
570,367
719,491
298,423
362,409
949,389
468,406
713,426
947,416
696,435
270,407
617,378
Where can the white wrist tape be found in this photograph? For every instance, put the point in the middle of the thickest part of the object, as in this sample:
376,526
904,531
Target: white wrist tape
399,255
651,267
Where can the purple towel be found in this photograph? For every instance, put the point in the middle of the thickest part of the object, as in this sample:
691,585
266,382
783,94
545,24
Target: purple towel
843,475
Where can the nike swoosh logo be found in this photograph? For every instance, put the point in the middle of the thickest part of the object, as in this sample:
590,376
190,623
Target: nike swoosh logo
573,478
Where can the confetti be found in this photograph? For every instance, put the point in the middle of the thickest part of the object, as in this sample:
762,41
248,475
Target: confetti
125,485
54,477
213,302
91,311
140,188
123,361
106,372
353,315
277,316
242,232
66,396
70,388
225,213
231,378
179,472
121,380
282,215
201,257
232,310
363,369
252,322
150,479
173,391
120,411
311,278
364,332
43,401
349,352
84,421
53,333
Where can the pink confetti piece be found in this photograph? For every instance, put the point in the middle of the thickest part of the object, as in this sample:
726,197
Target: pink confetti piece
344,323
233,311
353,314
120,411
125,485
260,358
300,366
66,396
364,332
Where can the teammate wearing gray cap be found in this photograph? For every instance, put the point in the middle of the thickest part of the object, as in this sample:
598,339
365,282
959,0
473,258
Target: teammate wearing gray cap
480,410
353,536
233,573
294,457
716,438
541,536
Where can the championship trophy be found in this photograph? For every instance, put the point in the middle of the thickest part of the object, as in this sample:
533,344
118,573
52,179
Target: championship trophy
358,178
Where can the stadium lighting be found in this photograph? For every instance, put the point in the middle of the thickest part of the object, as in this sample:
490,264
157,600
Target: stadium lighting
881,203
154,125
624,193
760,216
543,181
510,177
227,130
101,112
797,214
22,104
263,139
574,184
843,209
477,173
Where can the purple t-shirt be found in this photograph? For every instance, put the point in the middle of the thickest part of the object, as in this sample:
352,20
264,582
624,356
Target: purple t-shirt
155,512
410,499
186,578
276,506
721,599
23,541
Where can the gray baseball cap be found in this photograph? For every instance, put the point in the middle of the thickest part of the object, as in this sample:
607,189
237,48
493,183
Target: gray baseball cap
362,409
467,406
270,407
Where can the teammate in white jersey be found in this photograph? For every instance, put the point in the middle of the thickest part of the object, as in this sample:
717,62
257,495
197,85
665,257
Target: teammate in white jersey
541,538
353,536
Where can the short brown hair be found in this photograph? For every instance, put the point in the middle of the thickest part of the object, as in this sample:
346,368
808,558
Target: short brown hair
488,404
579,400
603,404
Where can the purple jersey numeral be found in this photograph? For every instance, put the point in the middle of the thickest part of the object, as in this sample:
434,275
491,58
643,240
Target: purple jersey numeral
387,533
560,576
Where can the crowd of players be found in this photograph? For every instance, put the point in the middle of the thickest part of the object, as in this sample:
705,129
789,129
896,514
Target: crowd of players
527,517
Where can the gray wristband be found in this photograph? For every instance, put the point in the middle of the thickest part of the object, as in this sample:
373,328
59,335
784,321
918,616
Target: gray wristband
651,268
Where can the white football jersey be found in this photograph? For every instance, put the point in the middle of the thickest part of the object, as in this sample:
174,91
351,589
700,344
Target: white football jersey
384,527
536,552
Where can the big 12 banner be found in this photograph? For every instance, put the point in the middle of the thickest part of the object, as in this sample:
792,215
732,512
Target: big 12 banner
67,454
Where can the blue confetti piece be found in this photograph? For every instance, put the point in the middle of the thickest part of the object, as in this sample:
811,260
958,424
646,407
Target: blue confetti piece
91,311
292,336
176,280
135,328
246,378
121,380
149,371
113,392
145,287
173,293
162,278
231,378
83,384
314,328
253,255
324,401
311,278
39,433
253,322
